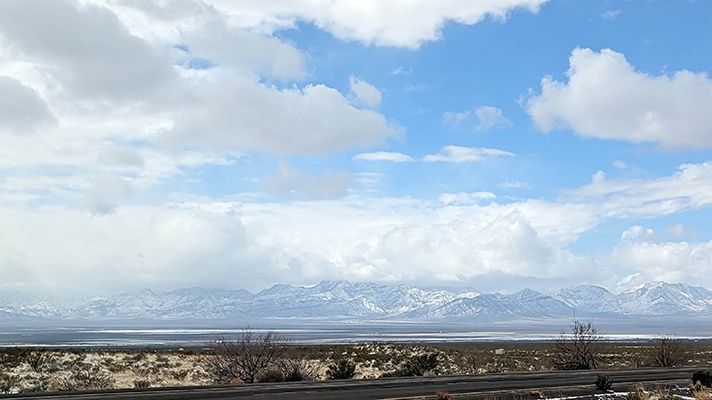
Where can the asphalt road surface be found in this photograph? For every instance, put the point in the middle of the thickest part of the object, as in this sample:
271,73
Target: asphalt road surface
387,388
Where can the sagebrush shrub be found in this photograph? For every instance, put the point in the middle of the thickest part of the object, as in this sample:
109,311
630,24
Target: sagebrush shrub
89,377
344,369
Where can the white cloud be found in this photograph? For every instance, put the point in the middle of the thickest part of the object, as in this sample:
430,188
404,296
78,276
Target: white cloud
88,51
22,111
488,118
465,154
135,93
606,98
638,233
678,230
462,238
403,24
598,177
292,183
465,198
456,118
611,14
364,93
383,156
162,247
662,261
240,115
688,189
514,185
402,71
620,164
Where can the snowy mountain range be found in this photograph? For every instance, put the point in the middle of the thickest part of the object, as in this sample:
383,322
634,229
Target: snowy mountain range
370,301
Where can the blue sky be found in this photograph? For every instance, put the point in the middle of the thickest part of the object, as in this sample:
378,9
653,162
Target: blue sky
495,145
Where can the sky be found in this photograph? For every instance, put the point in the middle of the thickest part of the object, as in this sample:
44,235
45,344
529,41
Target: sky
491,144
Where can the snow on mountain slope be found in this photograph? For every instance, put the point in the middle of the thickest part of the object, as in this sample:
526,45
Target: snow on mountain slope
665,298
341,299
588,298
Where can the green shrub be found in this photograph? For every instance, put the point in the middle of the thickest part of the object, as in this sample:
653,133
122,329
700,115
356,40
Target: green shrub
344,369
703,376
416,366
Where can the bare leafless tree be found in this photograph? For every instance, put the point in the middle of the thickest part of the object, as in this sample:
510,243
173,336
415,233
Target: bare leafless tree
577,348
668,352
245,357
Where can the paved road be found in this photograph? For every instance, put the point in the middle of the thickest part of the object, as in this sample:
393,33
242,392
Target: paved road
388,388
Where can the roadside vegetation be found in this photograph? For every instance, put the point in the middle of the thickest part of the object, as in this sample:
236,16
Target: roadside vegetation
268,357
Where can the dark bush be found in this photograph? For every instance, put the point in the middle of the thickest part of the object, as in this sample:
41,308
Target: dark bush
343,369
703,376
142,384
603,382
297,369
416,366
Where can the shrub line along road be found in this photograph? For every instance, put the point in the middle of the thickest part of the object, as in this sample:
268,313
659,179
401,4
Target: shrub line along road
386,387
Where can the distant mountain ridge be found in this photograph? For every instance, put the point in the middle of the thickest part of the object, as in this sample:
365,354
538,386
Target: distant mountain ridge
341,299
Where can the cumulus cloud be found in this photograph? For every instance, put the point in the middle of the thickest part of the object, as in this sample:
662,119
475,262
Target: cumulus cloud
383,156
291,183
240,115
656,260
408,240
245,53
465,154
606,98
364,93
407,24
488,118
598,177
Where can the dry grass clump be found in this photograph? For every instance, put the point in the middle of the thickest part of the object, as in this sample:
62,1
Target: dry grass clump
443,395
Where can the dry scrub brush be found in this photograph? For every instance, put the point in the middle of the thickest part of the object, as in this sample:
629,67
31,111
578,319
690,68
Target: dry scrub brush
245,357
577,349
668,352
